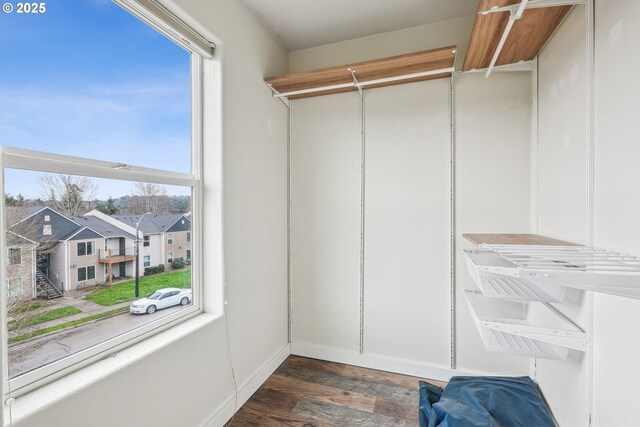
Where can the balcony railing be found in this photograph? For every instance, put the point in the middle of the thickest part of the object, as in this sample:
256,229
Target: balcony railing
110,256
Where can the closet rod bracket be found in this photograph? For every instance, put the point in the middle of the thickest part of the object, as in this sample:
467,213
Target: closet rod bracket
355,80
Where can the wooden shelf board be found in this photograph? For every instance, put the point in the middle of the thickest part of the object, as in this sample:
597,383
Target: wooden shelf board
528,35
394,66
514,239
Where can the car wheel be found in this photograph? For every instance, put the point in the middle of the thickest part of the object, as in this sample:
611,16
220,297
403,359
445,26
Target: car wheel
151,309
184,301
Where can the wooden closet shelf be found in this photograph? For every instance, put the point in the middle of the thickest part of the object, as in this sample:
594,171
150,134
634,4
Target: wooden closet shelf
367,71
514,239
527,37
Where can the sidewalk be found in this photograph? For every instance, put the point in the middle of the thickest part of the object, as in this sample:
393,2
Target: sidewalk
70,299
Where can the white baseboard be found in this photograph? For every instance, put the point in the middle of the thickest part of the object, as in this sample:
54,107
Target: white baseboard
383,363
246,390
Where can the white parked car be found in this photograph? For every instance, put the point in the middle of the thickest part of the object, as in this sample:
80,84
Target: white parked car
162,298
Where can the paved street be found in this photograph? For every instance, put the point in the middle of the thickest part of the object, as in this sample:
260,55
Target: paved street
26,356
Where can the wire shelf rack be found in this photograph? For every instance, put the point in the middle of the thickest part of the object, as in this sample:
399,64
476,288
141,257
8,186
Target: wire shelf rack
542,273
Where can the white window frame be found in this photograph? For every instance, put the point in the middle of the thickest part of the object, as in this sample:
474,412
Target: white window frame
17,158
169,238
169,257
10,259
16,293
144,261
78,248
47,229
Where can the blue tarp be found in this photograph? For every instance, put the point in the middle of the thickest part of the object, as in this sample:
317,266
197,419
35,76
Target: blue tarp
484,401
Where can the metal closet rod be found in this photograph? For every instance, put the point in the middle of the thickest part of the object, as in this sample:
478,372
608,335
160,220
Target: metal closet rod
358,85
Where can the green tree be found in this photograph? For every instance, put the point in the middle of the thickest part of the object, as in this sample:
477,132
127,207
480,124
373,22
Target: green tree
109,207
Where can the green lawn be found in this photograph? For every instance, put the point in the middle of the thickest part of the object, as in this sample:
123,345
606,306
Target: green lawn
41,318
66,325
126,291
29,306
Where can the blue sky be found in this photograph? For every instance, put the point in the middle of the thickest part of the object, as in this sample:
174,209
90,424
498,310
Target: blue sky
88,79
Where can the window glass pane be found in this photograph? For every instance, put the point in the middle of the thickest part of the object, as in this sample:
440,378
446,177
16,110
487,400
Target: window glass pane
104,277
82,249
107,86
82,274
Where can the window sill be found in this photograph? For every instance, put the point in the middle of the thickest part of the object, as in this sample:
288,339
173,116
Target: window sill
68,385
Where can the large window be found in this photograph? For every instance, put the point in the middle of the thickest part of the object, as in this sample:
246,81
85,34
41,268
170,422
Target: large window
86,248
109,142
86,273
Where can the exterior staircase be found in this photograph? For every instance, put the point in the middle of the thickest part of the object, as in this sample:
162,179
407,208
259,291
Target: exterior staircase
46,289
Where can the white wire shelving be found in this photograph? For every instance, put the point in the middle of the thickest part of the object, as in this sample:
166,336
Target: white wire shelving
517,282
532,328
548,267
500,278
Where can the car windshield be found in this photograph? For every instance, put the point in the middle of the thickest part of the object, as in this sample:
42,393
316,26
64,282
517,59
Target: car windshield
155,295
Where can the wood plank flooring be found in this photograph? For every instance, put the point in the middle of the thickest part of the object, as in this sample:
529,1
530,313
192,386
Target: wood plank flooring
307,392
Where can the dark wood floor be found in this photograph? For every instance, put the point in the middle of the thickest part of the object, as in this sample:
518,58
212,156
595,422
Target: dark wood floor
306,392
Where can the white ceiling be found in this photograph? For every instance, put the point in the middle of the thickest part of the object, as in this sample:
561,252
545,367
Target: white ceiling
300,24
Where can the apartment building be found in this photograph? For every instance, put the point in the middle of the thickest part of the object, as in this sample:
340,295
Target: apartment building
165,237
50,253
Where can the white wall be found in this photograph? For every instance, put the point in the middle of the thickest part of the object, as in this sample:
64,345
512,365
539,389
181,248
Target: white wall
407,222
254,136
406,258
617,207
562,194
492,128
59,263
430,36
325,220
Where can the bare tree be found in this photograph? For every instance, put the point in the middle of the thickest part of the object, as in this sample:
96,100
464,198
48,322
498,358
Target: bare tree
149,197
68,194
